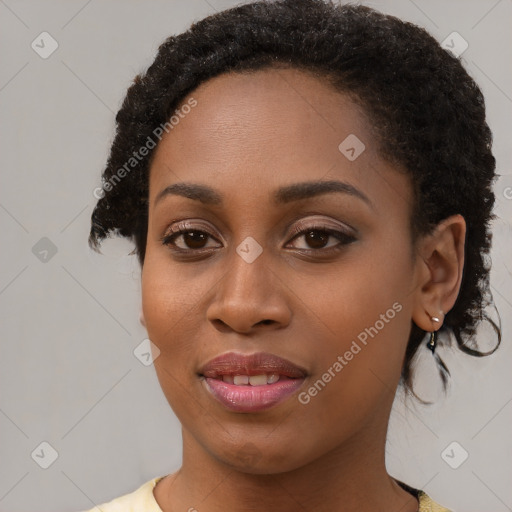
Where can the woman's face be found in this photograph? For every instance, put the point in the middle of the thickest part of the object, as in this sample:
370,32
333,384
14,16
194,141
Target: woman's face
282,312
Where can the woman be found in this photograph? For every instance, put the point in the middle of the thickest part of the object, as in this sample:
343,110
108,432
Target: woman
309,189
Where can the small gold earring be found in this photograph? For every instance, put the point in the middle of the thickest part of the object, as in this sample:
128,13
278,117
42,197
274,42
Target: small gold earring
432,342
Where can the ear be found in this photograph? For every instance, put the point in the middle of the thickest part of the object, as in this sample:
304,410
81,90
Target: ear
439,266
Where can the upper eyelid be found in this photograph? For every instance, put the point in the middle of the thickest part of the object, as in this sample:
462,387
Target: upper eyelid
303,217
300,225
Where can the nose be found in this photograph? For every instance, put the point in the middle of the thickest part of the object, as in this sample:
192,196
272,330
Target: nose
250,297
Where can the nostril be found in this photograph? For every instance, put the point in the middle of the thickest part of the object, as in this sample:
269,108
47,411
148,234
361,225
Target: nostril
221,325
266,322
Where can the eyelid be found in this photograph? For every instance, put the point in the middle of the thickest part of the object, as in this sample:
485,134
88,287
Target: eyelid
301,221
188,225
319,223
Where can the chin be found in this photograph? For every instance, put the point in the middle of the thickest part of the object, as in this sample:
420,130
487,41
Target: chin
261,458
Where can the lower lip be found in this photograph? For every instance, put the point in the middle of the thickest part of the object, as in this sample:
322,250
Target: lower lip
252,398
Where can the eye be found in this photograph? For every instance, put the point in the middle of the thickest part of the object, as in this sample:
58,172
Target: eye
322,238
186,239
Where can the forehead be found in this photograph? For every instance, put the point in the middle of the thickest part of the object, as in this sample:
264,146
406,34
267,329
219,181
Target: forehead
263,129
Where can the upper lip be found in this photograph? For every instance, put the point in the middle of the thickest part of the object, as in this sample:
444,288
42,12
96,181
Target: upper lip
233,363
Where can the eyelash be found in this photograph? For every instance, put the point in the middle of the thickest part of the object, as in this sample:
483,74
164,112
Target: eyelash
344,239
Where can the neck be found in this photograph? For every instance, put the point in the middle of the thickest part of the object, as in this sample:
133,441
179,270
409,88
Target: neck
351,478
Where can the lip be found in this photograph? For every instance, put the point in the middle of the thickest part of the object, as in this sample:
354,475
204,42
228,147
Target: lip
248,398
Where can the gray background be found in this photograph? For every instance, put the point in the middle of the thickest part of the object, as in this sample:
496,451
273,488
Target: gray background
70,320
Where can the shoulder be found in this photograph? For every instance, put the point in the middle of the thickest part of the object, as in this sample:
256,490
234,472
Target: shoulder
427,504
140,500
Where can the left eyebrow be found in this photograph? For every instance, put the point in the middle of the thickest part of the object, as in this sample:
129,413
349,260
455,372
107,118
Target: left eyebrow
283,195
308,189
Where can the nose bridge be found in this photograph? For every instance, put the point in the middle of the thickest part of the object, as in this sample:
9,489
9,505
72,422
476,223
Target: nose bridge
247,268
246,280
248,294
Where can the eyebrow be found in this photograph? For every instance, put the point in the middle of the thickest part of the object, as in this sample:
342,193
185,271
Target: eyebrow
283,195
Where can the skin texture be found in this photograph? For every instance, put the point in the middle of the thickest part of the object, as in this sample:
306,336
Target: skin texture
248,135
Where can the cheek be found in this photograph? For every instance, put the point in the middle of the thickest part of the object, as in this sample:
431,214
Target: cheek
355,295
170,290
166,299
362,313
174,301
169,300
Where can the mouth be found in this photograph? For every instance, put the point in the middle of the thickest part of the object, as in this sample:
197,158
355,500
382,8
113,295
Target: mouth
251,383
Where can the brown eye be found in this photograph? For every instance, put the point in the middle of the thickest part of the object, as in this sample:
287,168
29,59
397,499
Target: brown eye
317,239
322,239
195,239
189,240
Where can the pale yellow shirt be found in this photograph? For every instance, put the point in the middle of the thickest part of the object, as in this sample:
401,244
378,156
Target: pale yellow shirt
143,500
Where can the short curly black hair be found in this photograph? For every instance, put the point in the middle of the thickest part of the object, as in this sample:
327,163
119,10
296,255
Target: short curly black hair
428,116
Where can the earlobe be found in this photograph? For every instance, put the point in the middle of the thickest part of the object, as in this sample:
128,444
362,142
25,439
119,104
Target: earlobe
440,266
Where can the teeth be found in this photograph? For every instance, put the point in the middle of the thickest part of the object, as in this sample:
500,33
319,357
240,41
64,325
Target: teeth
274,377
258,380
241,380
253,380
